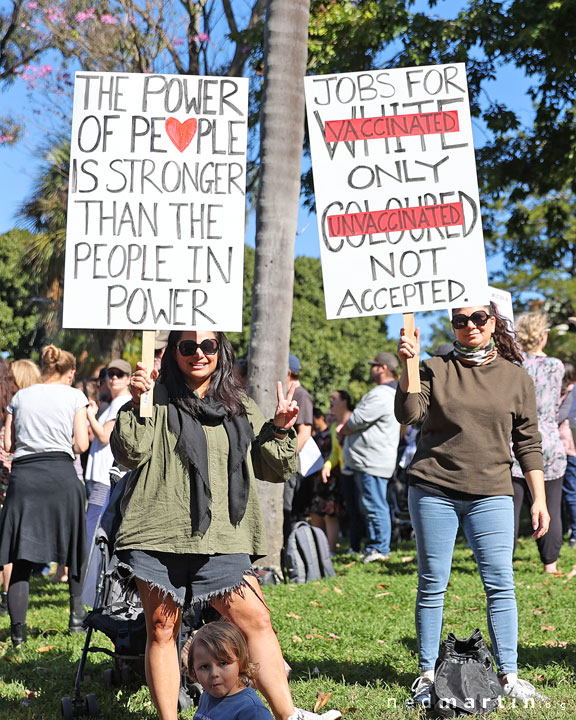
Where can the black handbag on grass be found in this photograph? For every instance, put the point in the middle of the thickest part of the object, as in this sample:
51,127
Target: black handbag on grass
465,682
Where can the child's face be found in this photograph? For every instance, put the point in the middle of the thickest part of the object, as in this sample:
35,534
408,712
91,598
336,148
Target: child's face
217,677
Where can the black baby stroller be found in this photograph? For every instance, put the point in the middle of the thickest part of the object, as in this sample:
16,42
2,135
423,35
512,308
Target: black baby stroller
119,615
398,488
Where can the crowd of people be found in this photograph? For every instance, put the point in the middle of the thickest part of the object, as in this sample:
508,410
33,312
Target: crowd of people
196,460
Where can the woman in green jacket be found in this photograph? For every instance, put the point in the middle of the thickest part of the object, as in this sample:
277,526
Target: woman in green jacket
191,521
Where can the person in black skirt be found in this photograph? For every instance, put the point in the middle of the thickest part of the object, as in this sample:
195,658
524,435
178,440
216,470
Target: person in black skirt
43,515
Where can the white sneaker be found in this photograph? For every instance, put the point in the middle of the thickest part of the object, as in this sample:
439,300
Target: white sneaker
421,692
375,555
300,714
522,690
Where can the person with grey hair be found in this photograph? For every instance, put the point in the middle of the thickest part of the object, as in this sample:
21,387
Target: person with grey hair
373,436
547,373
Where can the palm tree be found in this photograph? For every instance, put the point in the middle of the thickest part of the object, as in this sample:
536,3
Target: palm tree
281,140
45,216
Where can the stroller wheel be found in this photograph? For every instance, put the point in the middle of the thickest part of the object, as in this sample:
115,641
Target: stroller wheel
194,691
184,699
67,708
126,675
108,677
92,706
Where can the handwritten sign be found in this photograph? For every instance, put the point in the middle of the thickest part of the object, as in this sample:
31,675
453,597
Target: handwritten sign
396,191
156,206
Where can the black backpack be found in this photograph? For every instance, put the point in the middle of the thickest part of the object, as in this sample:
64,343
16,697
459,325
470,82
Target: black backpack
307,554
465,682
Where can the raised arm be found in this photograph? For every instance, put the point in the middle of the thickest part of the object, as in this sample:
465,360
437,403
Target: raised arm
407,349
101,431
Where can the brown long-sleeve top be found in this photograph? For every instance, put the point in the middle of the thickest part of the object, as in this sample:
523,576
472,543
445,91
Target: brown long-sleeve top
469,416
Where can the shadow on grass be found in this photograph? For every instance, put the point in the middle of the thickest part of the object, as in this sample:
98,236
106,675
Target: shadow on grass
51,677
354,672
542,655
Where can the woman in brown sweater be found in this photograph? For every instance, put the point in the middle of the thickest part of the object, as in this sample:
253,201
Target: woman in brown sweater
472,403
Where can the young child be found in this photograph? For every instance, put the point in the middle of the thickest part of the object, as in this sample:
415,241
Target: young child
218,660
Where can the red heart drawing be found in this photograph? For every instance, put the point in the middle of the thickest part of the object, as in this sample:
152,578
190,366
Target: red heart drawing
181,134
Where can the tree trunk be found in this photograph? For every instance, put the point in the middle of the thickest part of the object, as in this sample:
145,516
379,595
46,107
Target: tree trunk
281,139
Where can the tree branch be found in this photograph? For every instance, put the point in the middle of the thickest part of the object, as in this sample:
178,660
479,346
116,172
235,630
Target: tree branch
236,68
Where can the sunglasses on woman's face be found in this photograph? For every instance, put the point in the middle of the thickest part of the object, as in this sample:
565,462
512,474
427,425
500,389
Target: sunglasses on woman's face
115,373
478,318
190,347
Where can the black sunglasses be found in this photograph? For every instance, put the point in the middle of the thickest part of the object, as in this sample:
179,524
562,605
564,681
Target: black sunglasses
115,373
190,347
478,318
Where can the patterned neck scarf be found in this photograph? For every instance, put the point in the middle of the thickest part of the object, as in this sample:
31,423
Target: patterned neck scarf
475,356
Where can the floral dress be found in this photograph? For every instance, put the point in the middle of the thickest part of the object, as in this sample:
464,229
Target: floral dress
547,373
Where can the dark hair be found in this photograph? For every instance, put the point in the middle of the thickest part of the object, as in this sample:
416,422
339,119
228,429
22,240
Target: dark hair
569,376
504,336
317,413
226,643
8,388
224,386
346,397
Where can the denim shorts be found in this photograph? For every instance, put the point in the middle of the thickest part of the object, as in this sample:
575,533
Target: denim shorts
189,579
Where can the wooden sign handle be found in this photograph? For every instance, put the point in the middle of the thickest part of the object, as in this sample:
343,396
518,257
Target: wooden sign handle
148,340
413,364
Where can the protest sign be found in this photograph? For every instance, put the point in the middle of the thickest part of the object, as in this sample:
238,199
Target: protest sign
503,301
396,191
156,202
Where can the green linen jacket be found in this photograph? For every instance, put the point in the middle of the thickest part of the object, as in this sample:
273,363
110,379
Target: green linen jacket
156,503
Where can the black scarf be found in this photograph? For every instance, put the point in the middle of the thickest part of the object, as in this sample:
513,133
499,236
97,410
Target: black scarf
191,447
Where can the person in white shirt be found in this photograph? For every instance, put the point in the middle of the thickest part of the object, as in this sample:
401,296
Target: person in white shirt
100,459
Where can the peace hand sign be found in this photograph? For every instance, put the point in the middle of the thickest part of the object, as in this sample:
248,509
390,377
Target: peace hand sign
287,410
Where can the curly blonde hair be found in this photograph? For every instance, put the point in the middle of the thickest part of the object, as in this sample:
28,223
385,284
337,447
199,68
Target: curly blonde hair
224,642
530,327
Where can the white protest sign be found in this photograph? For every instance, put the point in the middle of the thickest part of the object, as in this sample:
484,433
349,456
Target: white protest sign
503,301
156,203
396,191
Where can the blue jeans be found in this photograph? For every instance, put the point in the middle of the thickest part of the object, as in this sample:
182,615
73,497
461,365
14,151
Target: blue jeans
374,506
569,488
488,524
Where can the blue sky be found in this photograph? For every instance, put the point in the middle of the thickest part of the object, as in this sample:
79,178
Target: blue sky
18,163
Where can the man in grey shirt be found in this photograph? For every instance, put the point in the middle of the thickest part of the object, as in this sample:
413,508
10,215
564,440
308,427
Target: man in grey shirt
373,434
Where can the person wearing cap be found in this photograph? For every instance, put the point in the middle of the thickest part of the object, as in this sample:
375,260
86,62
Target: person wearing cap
373,436
293,503
100,458
160,345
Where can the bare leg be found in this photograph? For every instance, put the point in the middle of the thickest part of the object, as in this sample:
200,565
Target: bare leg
61,574
246,609
317,521
6,573
332,531
330,525
162,663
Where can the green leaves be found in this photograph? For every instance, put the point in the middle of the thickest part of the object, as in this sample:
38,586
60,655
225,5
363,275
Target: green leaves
20,316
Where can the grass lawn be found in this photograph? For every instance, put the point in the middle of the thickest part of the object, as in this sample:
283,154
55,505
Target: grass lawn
352,636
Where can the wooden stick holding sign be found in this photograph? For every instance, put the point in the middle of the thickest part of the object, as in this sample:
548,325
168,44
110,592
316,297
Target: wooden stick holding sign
146,399
413,363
